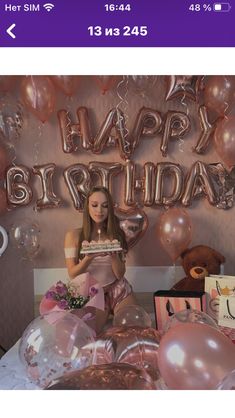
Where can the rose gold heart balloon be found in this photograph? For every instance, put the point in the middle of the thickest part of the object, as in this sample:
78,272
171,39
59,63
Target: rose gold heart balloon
136,346
105,377
134,223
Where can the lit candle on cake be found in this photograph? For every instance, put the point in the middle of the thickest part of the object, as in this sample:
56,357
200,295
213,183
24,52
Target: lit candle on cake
99,233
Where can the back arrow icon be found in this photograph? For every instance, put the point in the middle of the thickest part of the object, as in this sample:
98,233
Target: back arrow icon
9,30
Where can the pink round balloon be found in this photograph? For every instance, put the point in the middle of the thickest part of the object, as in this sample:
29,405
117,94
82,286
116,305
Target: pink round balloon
175,231
219,93
195,356
7,82
38,94
225,140
67,83
106,82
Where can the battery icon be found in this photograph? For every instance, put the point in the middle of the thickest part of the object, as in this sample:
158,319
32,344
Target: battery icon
222,7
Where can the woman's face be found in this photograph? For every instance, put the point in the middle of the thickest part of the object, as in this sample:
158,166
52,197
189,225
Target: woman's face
98,207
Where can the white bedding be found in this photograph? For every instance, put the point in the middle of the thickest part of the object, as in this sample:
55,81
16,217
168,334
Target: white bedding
12,372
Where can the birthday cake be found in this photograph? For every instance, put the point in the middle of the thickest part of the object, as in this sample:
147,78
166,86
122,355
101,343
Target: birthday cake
100,246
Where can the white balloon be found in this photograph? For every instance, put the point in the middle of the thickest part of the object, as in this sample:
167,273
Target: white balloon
3,232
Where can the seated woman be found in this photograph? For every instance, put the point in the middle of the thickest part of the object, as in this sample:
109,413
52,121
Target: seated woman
100,223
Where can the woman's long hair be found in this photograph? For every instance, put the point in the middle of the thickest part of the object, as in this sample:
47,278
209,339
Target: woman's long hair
111,224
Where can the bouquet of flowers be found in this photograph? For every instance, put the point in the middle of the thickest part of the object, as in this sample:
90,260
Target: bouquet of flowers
68,297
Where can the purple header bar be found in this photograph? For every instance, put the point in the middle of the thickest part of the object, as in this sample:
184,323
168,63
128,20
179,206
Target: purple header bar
100,23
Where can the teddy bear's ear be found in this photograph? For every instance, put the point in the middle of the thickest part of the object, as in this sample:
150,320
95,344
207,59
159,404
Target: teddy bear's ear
183,254
219,256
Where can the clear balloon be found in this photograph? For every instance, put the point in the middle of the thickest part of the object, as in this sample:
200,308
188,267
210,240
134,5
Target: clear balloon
190,316
228,383
219,93
68,84
195,356
225,140
52,345
175,231
25,236
3,240
132,315
38,94
113,376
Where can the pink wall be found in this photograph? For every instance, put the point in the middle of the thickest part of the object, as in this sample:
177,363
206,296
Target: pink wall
42,144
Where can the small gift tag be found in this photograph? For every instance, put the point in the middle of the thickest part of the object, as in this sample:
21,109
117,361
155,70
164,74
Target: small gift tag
226,316
168,302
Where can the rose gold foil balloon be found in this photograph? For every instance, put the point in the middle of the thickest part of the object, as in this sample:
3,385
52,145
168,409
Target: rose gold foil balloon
175,231
38,94
133,222
199,177
225,140
112,376
180,86
228,383
49,199
132,315
105,82
219,93
195,356
135,345
3,201
68,84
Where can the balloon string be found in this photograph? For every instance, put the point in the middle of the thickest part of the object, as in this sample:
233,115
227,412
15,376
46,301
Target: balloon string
226,103
123,119
34,93
68,125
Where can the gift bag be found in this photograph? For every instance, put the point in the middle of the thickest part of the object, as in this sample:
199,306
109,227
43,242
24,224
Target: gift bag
216,286
168,302
226,311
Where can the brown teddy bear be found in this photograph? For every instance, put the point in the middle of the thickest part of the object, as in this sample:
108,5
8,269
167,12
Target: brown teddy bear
198,262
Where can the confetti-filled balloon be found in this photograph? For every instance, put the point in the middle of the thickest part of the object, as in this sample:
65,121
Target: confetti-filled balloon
52,345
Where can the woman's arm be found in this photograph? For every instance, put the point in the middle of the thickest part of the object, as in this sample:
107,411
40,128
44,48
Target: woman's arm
118,265
74,266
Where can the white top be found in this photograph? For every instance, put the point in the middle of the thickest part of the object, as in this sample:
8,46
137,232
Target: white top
101,269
